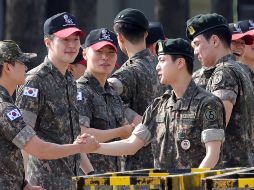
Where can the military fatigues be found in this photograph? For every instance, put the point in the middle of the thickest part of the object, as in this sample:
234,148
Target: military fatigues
140,86
48,102
178,129
230,82
100,108
14,134
201,76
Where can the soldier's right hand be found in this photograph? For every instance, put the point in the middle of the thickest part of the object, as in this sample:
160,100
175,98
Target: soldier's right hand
127,130
87,143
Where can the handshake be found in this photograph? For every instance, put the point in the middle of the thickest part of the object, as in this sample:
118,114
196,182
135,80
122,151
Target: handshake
87,143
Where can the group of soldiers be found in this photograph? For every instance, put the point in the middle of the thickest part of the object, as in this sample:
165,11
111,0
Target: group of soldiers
152,112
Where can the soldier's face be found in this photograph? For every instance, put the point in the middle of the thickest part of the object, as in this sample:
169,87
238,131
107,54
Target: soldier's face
167,69
64,50
101,61
18,75
249,53
204,50
238,47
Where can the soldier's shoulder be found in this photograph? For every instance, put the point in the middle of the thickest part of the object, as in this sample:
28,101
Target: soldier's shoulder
38,72
197,73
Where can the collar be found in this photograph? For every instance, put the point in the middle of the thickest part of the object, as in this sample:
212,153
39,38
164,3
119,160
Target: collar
57,75
184,102
91,80
226,58
5,95
141,54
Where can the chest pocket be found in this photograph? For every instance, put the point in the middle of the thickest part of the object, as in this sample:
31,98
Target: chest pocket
188,128
160,126
57,108
100,110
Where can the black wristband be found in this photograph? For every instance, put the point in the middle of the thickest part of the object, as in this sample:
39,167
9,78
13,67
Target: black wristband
25,182
90,173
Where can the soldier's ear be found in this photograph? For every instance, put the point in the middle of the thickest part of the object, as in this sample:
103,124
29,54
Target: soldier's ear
215,40
180,63
84,53
47,42
120,37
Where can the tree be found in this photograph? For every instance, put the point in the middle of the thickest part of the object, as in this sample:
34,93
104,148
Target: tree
85,12
173,15
24,24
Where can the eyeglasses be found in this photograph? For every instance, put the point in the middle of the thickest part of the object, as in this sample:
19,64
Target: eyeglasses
238,43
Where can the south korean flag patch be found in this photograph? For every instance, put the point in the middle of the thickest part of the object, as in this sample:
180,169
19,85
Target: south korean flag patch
28,91
13,114
79,96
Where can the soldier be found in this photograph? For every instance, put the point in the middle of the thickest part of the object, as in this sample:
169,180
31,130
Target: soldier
186,125
15,133
155,33
247,27
101,109
48,102
228,80
136,81
78,67
239,40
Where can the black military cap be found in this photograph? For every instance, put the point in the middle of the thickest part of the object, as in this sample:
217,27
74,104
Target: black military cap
176,46
98,38
247,26
204,22
237,33
155,32
62,25
132,16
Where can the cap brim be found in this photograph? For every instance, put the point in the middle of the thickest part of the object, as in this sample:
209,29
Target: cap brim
250,32
101,44
27,57
69,31
246,37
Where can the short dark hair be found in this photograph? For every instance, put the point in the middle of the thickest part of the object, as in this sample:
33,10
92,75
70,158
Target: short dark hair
131,32
188,61
223,34
49,36
1,67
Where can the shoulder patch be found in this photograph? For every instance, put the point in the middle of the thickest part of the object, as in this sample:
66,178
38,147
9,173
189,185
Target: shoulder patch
79,96
13,114
28,91
211,114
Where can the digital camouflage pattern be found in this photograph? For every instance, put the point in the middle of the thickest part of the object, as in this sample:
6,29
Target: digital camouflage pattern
201,76
176,125
100,108
230,81
13,136
10,52
140,87
55,114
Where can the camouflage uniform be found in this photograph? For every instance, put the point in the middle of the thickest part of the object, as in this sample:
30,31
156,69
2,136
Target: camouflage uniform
178,129
14,134
140,86
230,82
201,76
100,108
48,103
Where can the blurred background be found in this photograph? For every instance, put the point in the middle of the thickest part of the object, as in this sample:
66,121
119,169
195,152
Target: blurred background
22,20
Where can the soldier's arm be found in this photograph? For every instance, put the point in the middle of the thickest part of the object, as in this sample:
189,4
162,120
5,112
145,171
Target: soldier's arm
107,135
224,85
47,150
85,164
212,116
124,147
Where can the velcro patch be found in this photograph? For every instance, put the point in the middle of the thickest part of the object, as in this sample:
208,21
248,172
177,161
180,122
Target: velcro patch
79,96
28,91
13,114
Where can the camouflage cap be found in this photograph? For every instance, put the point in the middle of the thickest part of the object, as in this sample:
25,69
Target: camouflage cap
204,22
176,46
132,16
10,52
